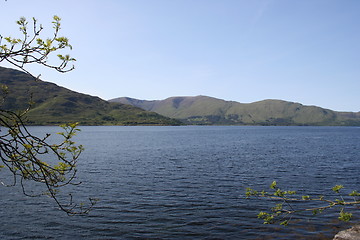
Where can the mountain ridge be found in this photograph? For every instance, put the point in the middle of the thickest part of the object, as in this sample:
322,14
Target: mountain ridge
53,105
208,110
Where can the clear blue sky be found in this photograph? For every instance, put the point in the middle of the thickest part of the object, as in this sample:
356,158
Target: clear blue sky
305,51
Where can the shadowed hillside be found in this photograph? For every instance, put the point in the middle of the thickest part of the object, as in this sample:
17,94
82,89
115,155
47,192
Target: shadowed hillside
208,110
54,105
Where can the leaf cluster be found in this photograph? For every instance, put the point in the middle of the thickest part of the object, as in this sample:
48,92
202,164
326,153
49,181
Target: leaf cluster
283,212
21,152
23,155
32,48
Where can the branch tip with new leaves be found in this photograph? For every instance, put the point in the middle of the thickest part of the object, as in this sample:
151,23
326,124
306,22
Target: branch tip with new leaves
32,48
282,212
23,153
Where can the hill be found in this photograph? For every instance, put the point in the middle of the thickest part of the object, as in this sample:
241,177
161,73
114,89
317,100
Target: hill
56,105
208,110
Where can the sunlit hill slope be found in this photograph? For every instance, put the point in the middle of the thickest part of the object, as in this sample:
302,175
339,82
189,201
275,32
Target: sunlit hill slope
55,105
208,110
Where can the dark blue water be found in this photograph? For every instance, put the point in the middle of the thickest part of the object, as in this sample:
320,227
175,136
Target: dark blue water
189,183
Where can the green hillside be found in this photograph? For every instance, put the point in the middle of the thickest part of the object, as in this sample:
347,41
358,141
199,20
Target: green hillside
207,110
56,105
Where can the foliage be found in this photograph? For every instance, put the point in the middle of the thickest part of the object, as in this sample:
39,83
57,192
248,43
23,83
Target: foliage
52,104
25,99
31,48
22,154
28,157
286,202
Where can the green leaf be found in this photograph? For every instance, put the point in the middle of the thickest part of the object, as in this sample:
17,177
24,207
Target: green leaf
251,192
262,214
337,188
278,207
285,223
279,193
345,216
56,18
354,193
273,185
307,197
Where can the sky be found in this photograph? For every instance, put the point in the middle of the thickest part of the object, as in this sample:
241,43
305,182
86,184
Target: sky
305,51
